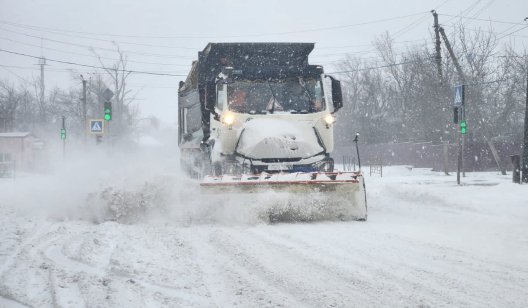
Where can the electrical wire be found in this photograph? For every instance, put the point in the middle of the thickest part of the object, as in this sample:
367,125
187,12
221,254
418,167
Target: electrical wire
99,48
487,20
375,67
90,56
499,38
5,67
93,66
225,36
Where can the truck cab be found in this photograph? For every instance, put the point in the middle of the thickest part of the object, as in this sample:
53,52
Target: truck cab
262,108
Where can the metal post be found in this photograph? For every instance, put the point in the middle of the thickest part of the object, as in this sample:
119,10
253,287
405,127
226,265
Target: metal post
459,155
516,162
64,140
525,146
357,151
463,108
84,107
463,136
446,158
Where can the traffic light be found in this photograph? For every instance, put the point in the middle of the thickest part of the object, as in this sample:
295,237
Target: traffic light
455,115
63,133
463,127
108,111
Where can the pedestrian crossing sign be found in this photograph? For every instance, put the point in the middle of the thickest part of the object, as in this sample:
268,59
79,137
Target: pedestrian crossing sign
459,96
97,126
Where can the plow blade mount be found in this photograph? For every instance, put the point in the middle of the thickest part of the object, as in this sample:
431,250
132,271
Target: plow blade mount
302,196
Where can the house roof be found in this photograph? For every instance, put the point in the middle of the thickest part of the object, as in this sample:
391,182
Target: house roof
15,135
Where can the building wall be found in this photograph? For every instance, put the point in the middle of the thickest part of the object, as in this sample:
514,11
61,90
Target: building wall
21,150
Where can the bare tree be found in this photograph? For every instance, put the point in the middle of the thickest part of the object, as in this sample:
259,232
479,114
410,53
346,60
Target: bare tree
400,97
9,100
117,74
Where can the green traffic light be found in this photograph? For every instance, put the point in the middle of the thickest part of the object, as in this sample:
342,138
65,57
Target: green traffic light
463,127
108,114
63,133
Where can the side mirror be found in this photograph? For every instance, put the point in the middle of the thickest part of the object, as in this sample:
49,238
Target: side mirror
227,71
227,80
337,94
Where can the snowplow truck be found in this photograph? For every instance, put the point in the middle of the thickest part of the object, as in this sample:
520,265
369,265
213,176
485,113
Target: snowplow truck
256,119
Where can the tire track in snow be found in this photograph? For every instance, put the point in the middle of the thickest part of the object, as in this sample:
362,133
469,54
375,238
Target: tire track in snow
447,276
157,261
229,282
25,270
378,282
307,281
378,286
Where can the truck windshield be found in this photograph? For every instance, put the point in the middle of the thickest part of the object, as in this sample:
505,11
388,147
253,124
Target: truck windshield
296,95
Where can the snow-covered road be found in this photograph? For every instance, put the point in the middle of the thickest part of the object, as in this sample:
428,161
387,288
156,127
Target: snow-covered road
427,243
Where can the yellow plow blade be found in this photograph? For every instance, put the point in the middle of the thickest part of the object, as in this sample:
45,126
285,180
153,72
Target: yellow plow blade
294,196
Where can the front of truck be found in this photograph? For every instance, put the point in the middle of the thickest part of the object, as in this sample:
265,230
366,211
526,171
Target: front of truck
268,123
273,121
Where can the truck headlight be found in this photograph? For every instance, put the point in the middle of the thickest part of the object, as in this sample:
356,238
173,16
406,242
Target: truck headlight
228,119
329,119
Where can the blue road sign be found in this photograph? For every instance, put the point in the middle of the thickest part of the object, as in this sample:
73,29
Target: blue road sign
97,126
459,96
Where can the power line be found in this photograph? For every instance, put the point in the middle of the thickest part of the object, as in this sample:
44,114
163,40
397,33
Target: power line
486,6
5,67
142,62
466,10
93,66
91,56
526,26
365,45
60,70
91,47
487,20
226,36
375,67
58,32
493,32
401,31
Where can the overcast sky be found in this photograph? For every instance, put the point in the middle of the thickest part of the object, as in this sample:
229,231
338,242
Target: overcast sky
165,36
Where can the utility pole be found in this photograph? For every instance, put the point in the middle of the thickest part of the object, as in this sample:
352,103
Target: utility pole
438,56
42,63
452,54
525,146
84,106
461,110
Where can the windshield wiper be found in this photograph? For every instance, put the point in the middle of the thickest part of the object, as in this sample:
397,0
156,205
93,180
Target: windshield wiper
274,98
303,84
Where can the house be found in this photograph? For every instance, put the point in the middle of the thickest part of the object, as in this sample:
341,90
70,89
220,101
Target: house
20,149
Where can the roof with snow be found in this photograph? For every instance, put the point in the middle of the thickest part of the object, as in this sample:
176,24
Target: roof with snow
15,135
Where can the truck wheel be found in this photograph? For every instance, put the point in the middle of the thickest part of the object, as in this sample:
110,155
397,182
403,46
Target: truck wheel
217,168
328,165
